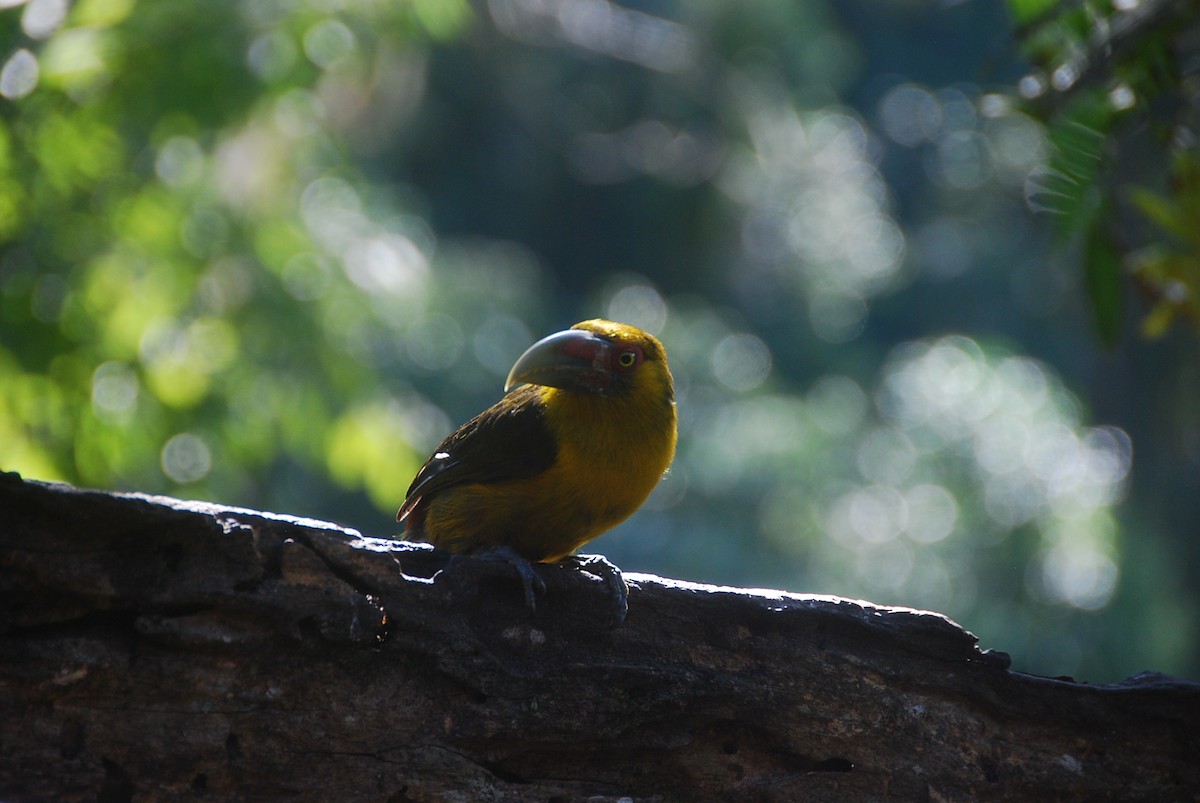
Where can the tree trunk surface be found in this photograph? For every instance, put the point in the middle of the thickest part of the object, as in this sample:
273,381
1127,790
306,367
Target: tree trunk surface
159,650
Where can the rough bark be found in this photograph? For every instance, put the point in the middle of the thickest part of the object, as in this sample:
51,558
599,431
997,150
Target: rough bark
153,649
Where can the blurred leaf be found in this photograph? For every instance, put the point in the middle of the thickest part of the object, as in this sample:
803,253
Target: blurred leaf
1070,186
1027,11
1171,280
12,208
1167,214
77,59
176,384
73,151
1169,271
1158,320
1112,78
101,13
367,448
443,19
1102,271
152,218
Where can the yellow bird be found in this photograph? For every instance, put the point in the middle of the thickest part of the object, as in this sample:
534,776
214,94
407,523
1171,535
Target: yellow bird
571,452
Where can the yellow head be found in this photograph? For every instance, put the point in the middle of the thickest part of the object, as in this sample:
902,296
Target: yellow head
600,357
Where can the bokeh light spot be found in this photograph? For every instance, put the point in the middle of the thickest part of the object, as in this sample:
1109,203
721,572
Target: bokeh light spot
332,211
114,392
837,404
1064,76
272,55
498,341
434,341
886,456
640,305
866,516
1079,576
1018,143
741,362
180,162
886,566
186,458
328,42
388,263
1012,500
962,160
41,18
837,317
1122,97
910,115
599,26
1001,443
932,513
19,76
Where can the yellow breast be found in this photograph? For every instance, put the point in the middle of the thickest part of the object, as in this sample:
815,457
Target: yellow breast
612,451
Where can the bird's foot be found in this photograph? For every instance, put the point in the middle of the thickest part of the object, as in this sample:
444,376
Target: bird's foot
532,585
603,568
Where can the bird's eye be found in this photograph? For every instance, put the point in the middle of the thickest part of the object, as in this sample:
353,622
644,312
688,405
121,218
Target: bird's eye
627,359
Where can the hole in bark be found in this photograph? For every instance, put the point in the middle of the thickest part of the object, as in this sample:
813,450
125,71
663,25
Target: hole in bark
834,765
233,750
200,783
117,786
730,748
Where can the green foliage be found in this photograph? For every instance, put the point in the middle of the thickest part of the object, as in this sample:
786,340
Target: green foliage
1077,162
1026,12
1102,269
1170,270
1108,77
148,216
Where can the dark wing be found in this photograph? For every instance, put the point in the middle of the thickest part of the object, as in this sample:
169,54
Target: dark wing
510,440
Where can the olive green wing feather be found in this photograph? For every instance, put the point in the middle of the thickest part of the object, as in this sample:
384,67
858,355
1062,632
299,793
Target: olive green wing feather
510,440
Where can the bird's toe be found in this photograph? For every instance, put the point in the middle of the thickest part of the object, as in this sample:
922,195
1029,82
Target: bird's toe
601,567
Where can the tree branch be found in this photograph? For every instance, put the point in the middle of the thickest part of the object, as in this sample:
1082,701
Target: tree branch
168,650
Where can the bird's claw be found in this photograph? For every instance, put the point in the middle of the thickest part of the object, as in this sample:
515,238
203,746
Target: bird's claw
533,585
603,568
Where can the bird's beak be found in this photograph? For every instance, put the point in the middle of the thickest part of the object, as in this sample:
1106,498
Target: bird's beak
573,359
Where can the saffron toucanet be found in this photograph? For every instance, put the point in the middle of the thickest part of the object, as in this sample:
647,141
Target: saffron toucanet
584,433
